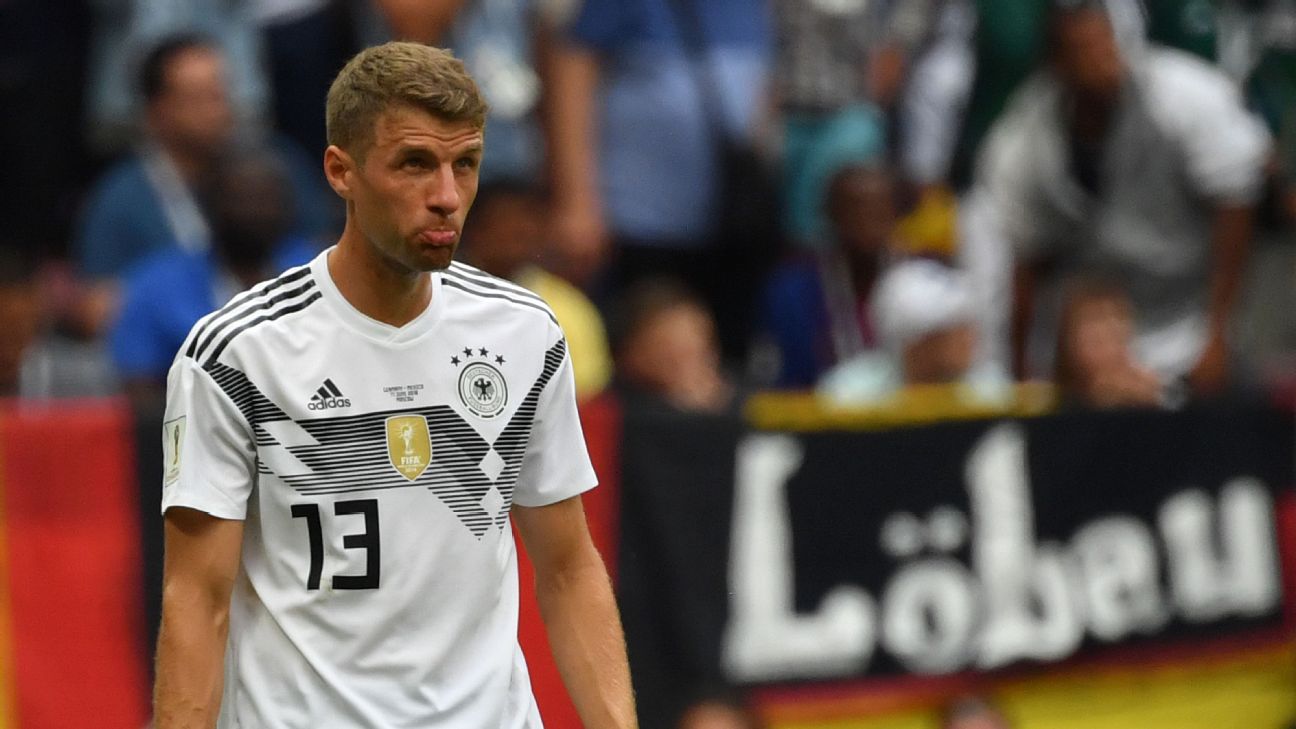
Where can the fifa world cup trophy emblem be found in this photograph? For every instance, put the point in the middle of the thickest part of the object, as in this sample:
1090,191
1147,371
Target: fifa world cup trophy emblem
407,435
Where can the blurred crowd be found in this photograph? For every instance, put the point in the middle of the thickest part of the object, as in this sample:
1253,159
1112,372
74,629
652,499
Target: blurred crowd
845,196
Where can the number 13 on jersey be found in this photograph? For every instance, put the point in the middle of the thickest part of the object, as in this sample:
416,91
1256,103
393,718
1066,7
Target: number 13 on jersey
366,540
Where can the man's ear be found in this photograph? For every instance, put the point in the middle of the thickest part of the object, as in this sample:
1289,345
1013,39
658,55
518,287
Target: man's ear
338,170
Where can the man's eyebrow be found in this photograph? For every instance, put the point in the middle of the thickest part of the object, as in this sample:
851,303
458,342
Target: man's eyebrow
475,147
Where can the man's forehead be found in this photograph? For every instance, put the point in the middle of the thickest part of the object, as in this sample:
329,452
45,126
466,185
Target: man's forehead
407,125
196,59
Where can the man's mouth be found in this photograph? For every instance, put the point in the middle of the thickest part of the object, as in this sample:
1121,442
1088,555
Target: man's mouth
438,237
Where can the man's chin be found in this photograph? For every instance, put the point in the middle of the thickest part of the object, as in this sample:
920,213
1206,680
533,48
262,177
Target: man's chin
437,259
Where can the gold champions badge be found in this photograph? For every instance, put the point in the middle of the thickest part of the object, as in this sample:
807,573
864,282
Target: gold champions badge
409,446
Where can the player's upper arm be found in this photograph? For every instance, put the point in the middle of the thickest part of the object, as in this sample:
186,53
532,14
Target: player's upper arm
556,536
202,558
208,451
1225,146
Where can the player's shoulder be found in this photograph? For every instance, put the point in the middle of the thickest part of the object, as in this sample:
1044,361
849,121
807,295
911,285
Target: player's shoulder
290,292
460,279
1177,84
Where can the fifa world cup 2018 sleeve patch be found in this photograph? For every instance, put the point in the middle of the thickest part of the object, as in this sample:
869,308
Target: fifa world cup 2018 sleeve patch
173,435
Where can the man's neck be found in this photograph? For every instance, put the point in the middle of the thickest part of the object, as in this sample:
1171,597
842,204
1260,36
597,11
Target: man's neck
864,272
1091,118
374,285
189,165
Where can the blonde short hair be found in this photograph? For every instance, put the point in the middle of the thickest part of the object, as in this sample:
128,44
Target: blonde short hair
393,74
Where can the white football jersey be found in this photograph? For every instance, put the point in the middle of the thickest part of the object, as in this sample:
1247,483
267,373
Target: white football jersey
374,467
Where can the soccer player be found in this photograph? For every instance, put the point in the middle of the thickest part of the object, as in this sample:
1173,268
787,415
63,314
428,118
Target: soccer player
345,445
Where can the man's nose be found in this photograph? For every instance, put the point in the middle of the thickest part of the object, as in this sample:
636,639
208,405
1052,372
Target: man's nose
443,193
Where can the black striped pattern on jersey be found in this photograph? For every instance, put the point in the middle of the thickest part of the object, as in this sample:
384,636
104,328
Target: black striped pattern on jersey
479,283
291,292
287,277
256,408
512,441
350,454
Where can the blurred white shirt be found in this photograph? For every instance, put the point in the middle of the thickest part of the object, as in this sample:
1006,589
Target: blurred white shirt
1181,143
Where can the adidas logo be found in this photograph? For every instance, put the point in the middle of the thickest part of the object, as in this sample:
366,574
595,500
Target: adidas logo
328,396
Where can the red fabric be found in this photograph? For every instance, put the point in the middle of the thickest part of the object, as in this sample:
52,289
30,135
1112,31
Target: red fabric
74,567
1286,508
602,422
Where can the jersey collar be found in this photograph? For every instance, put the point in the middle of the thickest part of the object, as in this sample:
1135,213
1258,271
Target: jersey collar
354,319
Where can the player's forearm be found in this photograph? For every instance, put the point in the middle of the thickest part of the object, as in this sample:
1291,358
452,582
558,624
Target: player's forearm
418,20
1232,243
572,79
1023,309
191,647
588,645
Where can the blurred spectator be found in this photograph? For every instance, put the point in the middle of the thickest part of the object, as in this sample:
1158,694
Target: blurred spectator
927,327
1008,43
640,117
665,346
1142,171
498,41
973,713
979,53
146,202
816,310
1095,366
249,203
123,30
20,316
501,43
37,362
505,236
835,60
924,311
933,100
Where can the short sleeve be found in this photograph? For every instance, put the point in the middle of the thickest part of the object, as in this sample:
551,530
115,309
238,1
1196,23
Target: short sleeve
209,457
1224,145
556,464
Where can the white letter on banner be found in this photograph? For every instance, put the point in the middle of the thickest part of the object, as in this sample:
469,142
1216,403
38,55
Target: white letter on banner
1030,612
765,638
929,616
1119,566
1240,577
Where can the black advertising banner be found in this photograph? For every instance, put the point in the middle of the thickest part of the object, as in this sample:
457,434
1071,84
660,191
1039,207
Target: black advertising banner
676,490
761,557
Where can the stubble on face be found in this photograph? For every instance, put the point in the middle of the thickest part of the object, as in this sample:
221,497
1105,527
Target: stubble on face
418,180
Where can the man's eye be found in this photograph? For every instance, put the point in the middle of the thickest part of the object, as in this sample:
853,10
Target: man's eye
466,163
413,163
